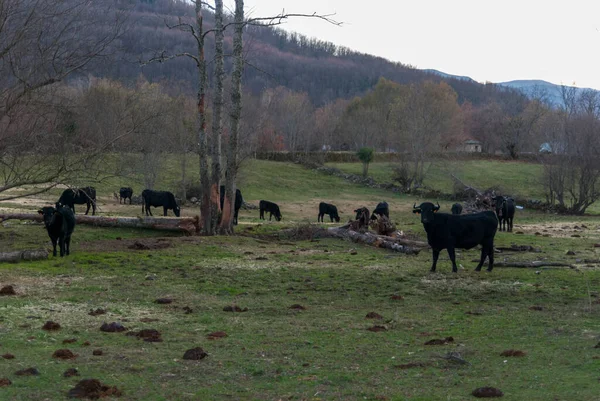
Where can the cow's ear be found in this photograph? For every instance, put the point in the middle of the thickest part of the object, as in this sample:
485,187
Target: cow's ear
416,211
41,211
435,210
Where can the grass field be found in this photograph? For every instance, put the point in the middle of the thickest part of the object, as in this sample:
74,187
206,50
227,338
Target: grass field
324,351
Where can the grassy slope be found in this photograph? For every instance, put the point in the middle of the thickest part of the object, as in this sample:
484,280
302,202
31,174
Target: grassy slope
324,352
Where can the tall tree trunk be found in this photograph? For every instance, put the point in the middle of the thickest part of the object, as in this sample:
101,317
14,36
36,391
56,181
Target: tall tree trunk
236,111
205,199
217,111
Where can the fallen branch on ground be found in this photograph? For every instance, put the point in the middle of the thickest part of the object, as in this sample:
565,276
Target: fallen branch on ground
394,244
535,263
26,255
518,248
187,225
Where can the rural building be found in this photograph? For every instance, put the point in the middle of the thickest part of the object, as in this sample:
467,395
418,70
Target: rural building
470,146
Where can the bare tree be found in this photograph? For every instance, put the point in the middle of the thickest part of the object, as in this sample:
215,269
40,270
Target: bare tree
42,43
572,176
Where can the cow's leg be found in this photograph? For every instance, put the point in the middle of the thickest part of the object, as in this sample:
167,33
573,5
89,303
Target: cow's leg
452,255
61,243
262,214
165,210
436,255
93,208
331,218
68,245
484,253
490,252
510,224
270,216
148,210
54,246
88,207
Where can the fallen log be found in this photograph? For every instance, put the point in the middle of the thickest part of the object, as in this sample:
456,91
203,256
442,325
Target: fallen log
371,239
535,264
187,225
518,248
26,255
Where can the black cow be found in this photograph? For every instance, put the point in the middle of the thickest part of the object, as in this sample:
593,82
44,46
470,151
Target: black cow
272,208
362,215
449,231
505,209
382,209
331,210
239,201
159,198
456,208
60,224
124,193
80,196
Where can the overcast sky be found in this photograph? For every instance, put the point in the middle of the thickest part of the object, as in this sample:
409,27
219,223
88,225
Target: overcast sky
488,40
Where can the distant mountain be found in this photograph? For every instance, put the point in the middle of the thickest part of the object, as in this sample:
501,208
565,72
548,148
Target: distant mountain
448,76
535,88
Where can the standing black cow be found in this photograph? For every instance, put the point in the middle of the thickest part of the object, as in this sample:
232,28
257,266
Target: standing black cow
272,208
60,224
239,201
331,210
124,193
448,231
505,209
80,196
456,208
382,209
159,198
362,215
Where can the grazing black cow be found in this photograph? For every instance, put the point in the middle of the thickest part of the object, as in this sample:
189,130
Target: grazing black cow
272,208
449,231
159,198
80,196
239,201
331,210
505,209
456,208
382,209
60,224
124,193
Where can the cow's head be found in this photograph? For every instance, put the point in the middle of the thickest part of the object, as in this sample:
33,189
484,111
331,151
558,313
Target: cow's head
499,202
48,215
426,210
177,210
336,218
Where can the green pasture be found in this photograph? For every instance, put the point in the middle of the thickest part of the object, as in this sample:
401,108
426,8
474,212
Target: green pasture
322,348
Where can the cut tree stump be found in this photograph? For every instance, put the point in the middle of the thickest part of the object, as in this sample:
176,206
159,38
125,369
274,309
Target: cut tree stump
187,225
26,255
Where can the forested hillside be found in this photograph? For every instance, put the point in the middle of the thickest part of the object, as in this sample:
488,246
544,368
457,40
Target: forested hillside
274,58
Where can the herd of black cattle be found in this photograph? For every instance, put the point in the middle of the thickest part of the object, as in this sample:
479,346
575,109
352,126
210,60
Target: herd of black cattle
444,231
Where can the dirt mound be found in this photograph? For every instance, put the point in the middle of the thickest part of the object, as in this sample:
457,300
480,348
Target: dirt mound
5,382
97,352
411,365
113,327
396,297
51,326
69,341
536,307
71,372
28,372
163,301
148,320
8,356
487,392
149,335
234,308
148,245
64,354
7,290
195,354
187,310
97,312
216,335
297,307
373,315
377,328
93,389
513,352
440,341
